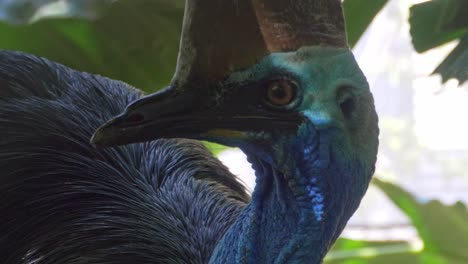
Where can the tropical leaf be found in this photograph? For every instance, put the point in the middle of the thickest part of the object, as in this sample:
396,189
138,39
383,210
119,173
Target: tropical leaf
347,251
437,22
443,229
456,63
133,41
359,14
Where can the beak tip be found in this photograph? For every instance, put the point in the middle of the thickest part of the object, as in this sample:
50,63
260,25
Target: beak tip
106,133
97,138
112,134
102,137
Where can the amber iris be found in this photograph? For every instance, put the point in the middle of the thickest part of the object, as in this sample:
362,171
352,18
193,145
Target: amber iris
280,92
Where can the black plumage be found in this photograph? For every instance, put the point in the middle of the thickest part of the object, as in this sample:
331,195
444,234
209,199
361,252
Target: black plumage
64,200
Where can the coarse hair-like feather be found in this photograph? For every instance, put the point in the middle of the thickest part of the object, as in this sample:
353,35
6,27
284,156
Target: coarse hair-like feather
62,200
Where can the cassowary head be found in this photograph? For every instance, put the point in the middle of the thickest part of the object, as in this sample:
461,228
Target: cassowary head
276,79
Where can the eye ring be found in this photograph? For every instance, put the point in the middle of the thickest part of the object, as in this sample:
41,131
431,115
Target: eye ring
280,93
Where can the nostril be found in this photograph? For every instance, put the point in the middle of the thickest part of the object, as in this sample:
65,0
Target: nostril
135,118
347,107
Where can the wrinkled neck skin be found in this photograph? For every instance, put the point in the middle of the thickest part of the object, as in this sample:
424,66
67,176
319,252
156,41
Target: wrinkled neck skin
307,188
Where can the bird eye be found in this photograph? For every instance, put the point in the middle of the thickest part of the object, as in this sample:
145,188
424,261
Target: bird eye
280,92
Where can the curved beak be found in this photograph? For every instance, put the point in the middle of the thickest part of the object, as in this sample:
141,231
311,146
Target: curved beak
165,114
188,114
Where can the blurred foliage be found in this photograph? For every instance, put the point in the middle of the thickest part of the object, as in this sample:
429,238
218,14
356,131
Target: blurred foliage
437,22
347,251
214,148
27,11
137,42
133,41
101,36
359,14
443,230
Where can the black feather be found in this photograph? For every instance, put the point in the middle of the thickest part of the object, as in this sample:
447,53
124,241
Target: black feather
62,200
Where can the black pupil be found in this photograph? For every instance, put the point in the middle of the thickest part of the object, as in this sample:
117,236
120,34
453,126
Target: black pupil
279,91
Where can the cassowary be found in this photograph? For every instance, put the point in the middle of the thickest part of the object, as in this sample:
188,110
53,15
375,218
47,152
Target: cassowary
287,91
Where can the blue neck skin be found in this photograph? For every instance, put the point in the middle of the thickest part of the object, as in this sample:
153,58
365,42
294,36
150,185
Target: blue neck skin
309,183
298,207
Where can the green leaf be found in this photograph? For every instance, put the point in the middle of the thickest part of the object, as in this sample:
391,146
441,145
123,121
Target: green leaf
444,229
214,148
436,22
359,14
456,63
133,41
378,252
454,15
